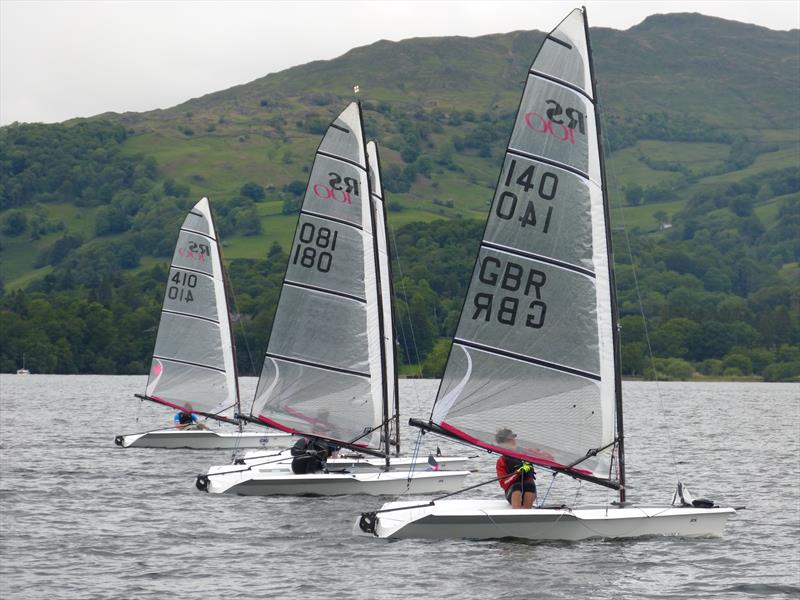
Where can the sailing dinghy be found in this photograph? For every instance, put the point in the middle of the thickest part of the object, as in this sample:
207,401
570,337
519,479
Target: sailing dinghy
330,372
536,345
193,369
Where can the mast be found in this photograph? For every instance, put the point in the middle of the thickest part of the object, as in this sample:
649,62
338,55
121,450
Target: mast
381,325
611,277
229,287
391,304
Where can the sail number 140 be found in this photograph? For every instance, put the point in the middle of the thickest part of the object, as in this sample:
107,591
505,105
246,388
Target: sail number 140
316,246
508,203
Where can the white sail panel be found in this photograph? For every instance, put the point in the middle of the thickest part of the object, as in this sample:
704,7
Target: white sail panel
556,123
326,329
564,54
385,276
534,347
193,365
527,307
561,413
337,189
302,396
530,213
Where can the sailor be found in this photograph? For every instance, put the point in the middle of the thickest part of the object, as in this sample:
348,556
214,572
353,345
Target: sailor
187,420
516,476
310,455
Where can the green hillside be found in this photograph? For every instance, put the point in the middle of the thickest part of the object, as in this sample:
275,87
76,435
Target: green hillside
702,129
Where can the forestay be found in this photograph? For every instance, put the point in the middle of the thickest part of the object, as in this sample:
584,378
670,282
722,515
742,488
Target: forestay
322,373
534,347
193,365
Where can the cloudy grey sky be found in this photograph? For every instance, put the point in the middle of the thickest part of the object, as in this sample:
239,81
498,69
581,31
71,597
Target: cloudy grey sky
66,59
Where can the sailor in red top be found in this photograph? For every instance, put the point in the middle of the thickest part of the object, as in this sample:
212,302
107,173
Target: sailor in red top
516,476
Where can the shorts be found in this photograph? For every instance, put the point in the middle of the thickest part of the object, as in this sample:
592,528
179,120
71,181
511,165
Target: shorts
526,486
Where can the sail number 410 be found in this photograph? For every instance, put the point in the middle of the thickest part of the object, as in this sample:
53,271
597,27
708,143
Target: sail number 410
508,202
182,290
316,246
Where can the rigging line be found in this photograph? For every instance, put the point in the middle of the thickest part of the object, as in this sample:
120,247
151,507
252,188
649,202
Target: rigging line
547,493
433,502
408,305
612,175
249,467
240,322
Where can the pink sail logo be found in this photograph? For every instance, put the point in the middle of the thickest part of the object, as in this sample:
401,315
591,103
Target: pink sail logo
339,189
195,251
558,122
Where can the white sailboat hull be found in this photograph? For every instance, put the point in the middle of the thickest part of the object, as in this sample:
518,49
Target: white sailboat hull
493,519
254,483
201,439
354,463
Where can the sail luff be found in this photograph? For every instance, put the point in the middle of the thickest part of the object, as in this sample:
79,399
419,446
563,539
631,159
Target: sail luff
620,437
382,334
384,297
387,283
226,287
322,373
533,347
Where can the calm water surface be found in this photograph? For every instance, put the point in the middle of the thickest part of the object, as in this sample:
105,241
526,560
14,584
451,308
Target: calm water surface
82,518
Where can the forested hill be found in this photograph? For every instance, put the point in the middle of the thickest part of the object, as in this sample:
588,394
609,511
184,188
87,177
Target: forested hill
702,129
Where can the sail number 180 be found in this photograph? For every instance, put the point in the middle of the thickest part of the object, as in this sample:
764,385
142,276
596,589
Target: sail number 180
316,246
508,202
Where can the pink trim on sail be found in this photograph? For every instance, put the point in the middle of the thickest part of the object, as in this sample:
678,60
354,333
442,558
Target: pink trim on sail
278,426
537,460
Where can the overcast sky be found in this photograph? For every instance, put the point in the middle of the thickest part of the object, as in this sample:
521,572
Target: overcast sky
66,59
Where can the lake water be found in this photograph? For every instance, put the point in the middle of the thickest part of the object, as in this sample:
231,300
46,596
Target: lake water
82,518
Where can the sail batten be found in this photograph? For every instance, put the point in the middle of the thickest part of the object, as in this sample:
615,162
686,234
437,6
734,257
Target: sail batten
190,363
325,291
322,373
331,219
193,367
534,349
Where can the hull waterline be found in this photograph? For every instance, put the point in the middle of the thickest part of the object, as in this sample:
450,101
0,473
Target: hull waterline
268,461
494,519
203,440
387,483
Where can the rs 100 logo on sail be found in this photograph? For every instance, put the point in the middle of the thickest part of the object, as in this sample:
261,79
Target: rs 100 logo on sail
338,189
195,251
558,122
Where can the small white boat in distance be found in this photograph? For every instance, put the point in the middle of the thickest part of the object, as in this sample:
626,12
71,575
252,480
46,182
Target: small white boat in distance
203,439
329,373
23,370
193,370
533,374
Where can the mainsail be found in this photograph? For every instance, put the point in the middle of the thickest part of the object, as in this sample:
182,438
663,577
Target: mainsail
324,373
193,367
535,348
386,291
